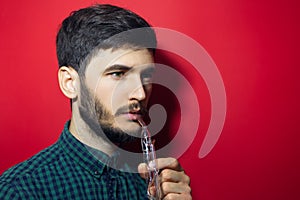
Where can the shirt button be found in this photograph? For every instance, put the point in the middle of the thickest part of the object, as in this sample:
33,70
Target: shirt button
96,172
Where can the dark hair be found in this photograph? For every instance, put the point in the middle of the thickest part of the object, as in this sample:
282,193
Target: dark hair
100,27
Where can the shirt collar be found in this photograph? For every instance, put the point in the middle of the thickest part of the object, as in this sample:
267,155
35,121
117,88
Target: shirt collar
87,157
93,160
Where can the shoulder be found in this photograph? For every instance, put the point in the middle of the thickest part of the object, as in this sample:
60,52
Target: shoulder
20,178
33,164
8,192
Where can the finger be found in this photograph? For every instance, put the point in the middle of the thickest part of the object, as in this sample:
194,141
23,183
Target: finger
177,188
168,163
169,175
177,196
161,163
143,170
152,190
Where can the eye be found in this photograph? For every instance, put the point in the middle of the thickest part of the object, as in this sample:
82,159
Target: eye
147,78
117,74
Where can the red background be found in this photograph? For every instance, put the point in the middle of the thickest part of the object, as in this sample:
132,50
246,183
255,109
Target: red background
255,45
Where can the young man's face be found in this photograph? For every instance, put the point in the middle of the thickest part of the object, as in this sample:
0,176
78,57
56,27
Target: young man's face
115,92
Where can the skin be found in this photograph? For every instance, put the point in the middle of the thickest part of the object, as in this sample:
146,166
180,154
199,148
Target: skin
115,80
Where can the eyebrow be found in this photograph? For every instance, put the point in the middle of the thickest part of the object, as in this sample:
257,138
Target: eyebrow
117,67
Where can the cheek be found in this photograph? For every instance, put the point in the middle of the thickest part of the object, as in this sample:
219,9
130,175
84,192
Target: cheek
111,96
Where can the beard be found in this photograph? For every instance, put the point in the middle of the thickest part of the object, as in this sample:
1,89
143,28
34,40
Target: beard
100,120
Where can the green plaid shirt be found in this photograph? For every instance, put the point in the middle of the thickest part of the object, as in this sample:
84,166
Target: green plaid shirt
68,170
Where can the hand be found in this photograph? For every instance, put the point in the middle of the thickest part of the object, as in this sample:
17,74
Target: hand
174,183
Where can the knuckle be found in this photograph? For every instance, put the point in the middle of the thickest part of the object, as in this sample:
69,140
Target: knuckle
185,189
187,179
174,162
188,189
166,175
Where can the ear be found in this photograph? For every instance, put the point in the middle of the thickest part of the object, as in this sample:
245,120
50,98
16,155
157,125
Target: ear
68,80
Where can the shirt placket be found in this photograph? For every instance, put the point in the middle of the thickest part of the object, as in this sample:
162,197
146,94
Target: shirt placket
112,183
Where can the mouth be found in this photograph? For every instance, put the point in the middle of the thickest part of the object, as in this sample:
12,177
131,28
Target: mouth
134,116
133,113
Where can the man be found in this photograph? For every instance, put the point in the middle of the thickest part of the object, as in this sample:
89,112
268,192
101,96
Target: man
105,54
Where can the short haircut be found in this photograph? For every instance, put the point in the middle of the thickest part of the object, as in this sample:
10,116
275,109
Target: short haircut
100,27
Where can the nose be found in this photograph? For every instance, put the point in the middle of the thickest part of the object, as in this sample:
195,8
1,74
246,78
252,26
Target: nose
138,92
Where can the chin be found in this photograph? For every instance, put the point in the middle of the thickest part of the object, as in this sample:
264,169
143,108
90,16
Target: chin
134,131
129,127
118,135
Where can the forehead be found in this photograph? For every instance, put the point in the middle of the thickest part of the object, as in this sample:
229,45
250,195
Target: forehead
128,57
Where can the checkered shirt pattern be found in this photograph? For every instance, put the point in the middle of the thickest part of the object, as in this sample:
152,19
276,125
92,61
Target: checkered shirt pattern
68,170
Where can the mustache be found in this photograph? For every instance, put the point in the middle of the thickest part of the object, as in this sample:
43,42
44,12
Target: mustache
132,108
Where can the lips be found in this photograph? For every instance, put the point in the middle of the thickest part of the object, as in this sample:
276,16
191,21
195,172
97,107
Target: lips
134,112
134,116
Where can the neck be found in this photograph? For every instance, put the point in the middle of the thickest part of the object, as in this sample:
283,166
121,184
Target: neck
82,132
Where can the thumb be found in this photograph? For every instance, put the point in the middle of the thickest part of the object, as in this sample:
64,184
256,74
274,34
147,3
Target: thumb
143,170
